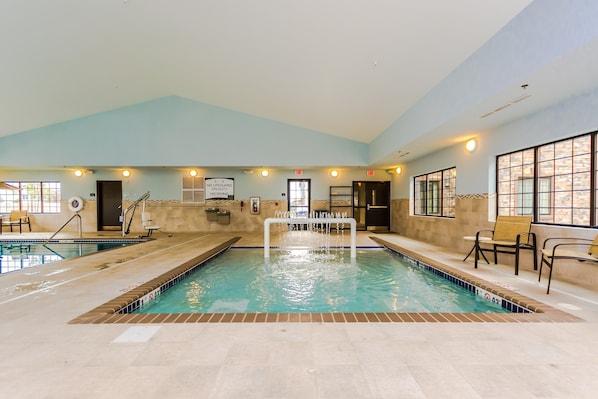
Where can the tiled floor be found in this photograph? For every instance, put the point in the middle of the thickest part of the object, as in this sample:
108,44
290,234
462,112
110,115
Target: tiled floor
43,356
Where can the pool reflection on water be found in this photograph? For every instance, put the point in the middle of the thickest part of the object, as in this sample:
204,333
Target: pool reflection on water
17,255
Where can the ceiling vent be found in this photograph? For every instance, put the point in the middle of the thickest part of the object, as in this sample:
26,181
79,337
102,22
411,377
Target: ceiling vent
508,104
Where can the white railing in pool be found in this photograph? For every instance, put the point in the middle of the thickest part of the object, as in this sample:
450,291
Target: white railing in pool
309,221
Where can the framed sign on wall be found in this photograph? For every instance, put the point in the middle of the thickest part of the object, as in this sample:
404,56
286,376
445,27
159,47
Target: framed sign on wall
220,188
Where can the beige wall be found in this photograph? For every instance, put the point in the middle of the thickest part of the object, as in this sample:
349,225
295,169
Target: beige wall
472,215
173,216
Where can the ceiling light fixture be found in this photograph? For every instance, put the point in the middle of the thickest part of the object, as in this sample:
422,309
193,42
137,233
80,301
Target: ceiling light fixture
471,145
394,171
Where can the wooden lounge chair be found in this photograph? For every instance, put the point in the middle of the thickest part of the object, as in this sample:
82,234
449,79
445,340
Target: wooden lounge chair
580,249
17,218
511,234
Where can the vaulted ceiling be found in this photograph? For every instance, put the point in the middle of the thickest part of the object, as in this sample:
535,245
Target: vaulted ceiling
348,68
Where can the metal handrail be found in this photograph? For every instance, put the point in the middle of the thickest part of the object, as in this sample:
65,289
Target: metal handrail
64,225
132,207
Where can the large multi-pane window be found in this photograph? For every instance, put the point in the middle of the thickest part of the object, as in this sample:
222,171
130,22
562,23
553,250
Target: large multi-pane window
34,197
434,193
552,182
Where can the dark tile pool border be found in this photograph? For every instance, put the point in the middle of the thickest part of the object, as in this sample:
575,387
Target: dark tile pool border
110,312
72,240
486,295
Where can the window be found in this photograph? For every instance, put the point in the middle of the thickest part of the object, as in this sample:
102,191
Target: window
298,194
525,196
515,173
434,193
552,182
193,189
544,195
34,197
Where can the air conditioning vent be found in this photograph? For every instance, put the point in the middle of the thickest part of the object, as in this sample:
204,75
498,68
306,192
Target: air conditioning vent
508,104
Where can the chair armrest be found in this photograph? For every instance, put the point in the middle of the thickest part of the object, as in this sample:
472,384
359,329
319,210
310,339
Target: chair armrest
477,235
529,235
567,240
572,244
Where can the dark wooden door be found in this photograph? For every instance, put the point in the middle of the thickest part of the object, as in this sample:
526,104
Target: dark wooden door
371,204
109,198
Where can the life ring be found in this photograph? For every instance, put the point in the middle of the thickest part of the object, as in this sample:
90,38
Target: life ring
75,204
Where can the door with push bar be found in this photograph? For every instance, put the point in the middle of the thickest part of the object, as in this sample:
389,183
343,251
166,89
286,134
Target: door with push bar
371,204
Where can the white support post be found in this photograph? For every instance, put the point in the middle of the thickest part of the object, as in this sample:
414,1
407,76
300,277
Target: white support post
309,221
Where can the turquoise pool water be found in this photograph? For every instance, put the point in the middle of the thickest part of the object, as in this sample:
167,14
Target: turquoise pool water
304,281
17,255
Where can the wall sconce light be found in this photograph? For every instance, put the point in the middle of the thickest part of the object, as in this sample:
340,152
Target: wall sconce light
83,172
126,173
334,173
265,172
471,145
192,173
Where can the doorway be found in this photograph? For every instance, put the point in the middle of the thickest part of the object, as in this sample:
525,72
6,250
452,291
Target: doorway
371,205
299,197
109,204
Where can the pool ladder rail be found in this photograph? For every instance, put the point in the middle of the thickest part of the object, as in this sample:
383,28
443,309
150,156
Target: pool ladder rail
76,215
126,228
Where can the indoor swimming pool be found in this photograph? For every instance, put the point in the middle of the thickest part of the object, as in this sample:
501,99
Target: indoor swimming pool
21,254
307,281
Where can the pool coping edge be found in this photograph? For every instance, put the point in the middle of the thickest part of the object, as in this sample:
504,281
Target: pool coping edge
108,313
